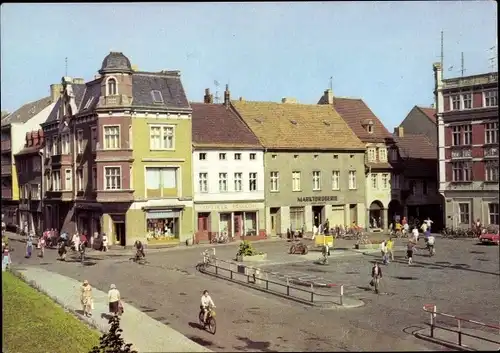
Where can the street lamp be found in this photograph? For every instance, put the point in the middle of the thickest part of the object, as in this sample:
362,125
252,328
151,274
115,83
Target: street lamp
42,220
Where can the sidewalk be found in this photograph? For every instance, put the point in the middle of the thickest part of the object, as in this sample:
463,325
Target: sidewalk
138,328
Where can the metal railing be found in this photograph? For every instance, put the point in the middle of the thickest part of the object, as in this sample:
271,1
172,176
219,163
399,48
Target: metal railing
255,276
432,310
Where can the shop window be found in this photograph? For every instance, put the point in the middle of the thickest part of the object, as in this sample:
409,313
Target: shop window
163,228
296,218
225,222
251,224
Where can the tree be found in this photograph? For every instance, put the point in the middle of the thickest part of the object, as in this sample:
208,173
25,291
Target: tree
113,342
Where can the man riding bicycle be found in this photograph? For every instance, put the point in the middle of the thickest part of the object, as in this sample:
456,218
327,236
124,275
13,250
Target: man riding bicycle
206,304
139,250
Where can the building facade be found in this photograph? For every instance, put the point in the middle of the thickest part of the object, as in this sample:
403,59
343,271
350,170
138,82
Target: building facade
377,140
228,171
30,176
13,131
313,165
467,117
422,121
118,156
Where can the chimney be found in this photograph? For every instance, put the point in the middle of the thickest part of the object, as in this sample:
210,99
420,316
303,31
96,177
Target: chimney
227,96
55,92
79,81
399,131
208,98
329,96
241,99
28,139
36,140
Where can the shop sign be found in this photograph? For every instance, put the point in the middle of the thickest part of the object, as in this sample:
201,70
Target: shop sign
163,214
316,198
229,207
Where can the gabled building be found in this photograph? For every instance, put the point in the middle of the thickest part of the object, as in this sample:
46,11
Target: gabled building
313,165
29,162
467,120
119,156
13,131
415,187
421,120
228,173
378,141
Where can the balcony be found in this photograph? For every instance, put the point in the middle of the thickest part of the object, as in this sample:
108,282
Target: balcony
6,169
491,152
6,146
463,153
62,195
115,196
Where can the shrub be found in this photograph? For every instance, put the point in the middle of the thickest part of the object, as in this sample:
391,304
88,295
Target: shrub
246,249
112,342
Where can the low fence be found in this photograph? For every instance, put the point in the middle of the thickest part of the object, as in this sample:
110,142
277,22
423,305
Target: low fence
242,273
432,310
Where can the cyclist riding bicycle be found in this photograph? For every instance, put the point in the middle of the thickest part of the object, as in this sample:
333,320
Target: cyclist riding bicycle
206,304
430,243
139,250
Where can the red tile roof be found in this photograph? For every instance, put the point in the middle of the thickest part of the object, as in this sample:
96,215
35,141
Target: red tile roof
214,125
416,146
429,112
356,113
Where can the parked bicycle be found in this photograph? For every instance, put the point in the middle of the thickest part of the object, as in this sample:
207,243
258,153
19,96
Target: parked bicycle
220,238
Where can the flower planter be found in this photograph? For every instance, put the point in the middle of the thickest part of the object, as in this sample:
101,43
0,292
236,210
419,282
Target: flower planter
253,258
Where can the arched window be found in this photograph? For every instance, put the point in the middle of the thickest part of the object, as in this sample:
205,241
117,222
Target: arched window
112,87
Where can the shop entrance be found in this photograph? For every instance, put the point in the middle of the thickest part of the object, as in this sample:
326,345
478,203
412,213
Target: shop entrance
318,215
119,229
275,221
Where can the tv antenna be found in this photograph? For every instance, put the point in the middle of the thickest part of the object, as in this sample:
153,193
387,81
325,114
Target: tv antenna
442,54
462,70
331,83
493,58
217,84
66,66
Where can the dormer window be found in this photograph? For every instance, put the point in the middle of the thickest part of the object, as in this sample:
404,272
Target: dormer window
157,97
368,125
112,87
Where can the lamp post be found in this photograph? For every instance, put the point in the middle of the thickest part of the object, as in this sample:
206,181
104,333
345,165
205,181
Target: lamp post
42,183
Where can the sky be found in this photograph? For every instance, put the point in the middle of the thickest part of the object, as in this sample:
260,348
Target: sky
381,52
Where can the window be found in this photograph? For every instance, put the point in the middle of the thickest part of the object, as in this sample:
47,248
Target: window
37,166
93,137
455,102
55,146
316,180
222,156
162,137
275,181
491,171
413,187
295,181
464,213
79,179
48,148
371,154
202,156
237,156
79,141
56,180
382,154
425,187
374,181
462,171
493,211
223,182
203,182
65,144
94,178
491,133
393,154
112,177
252,156
491,98
467,134
111,137
35,191
157,96
352,180
68,180
238,181
336,180
297,218
385,181
369,128
161,181
467,101
112,89
252,179
456,136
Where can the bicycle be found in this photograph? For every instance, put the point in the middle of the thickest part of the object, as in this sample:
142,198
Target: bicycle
220,238
210,323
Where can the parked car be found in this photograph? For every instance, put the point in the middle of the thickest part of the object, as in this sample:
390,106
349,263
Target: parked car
490,235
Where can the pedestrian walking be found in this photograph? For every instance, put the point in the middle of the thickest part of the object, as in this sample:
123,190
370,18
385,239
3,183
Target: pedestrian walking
390,245
76,241
376,276
6,260
29,246
86,298
383,250
41,245
114,300
415,234
104,242
409,252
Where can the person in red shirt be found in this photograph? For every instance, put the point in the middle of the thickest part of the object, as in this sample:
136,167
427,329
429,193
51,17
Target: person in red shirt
83,239
404,221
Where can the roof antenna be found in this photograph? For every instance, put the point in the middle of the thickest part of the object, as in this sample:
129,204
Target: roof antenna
442,53
463,69
66,66
217,84
331,83
493,58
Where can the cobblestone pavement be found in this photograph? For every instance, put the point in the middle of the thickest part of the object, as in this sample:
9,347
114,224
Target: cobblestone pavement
461,279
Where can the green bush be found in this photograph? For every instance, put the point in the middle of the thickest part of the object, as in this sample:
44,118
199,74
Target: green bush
246,249
113,342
